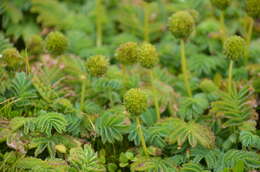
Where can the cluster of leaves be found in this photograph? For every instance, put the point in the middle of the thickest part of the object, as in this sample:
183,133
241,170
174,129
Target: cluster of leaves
55,115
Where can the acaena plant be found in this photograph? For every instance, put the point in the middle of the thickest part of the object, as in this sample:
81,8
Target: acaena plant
253,11
181,24
221,5
234,49
136,102
148,57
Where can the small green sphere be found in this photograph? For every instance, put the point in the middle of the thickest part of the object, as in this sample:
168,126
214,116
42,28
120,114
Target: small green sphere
208,86
220,4
11,57
97,65
181,24
56,43
127,53
35,44
147,55
253,8
235,47
135,101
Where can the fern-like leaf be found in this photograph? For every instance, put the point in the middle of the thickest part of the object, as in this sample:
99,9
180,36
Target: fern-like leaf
85,159
111,127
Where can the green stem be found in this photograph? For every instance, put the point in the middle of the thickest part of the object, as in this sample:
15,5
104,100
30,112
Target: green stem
250,30
223,27
146,23
230,75
99,29
141,135
27,63
155,97
82,94
184,68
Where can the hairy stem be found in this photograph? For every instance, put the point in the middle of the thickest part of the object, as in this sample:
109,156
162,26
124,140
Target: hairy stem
223,27
146,23
185,70
155,97
82,94
141,135
99,28
27,63
250,30
230,75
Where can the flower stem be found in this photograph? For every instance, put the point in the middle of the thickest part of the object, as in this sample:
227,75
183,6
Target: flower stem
250,30
230,75
146,22
223,27
184,68
99,29
82,94
141,135
155,97
28,69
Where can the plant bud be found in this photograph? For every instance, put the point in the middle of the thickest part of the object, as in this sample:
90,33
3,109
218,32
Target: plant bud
181,24
127,53
135,101
235,47
56,43
147,55
97,65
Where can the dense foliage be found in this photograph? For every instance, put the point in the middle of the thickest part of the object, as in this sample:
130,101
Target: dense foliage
129,85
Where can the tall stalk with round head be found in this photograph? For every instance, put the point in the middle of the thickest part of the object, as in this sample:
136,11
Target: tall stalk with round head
181,24
234,49
96,66
221,5
253,11
135,102
148,58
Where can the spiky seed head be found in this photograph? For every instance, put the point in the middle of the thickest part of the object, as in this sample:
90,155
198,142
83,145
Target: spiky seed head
97,65
181,24
253,8
35,44
56,43
220,4
235,47
11,57
135,101
147,55
126,53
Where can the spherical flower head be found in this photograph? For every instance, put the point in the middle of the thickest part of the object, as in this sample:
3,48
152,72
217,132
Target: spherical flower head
181,24
127,53
12,57
220,4
97,65
147,55
135,101
35,44
56,43
253,8
235,47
